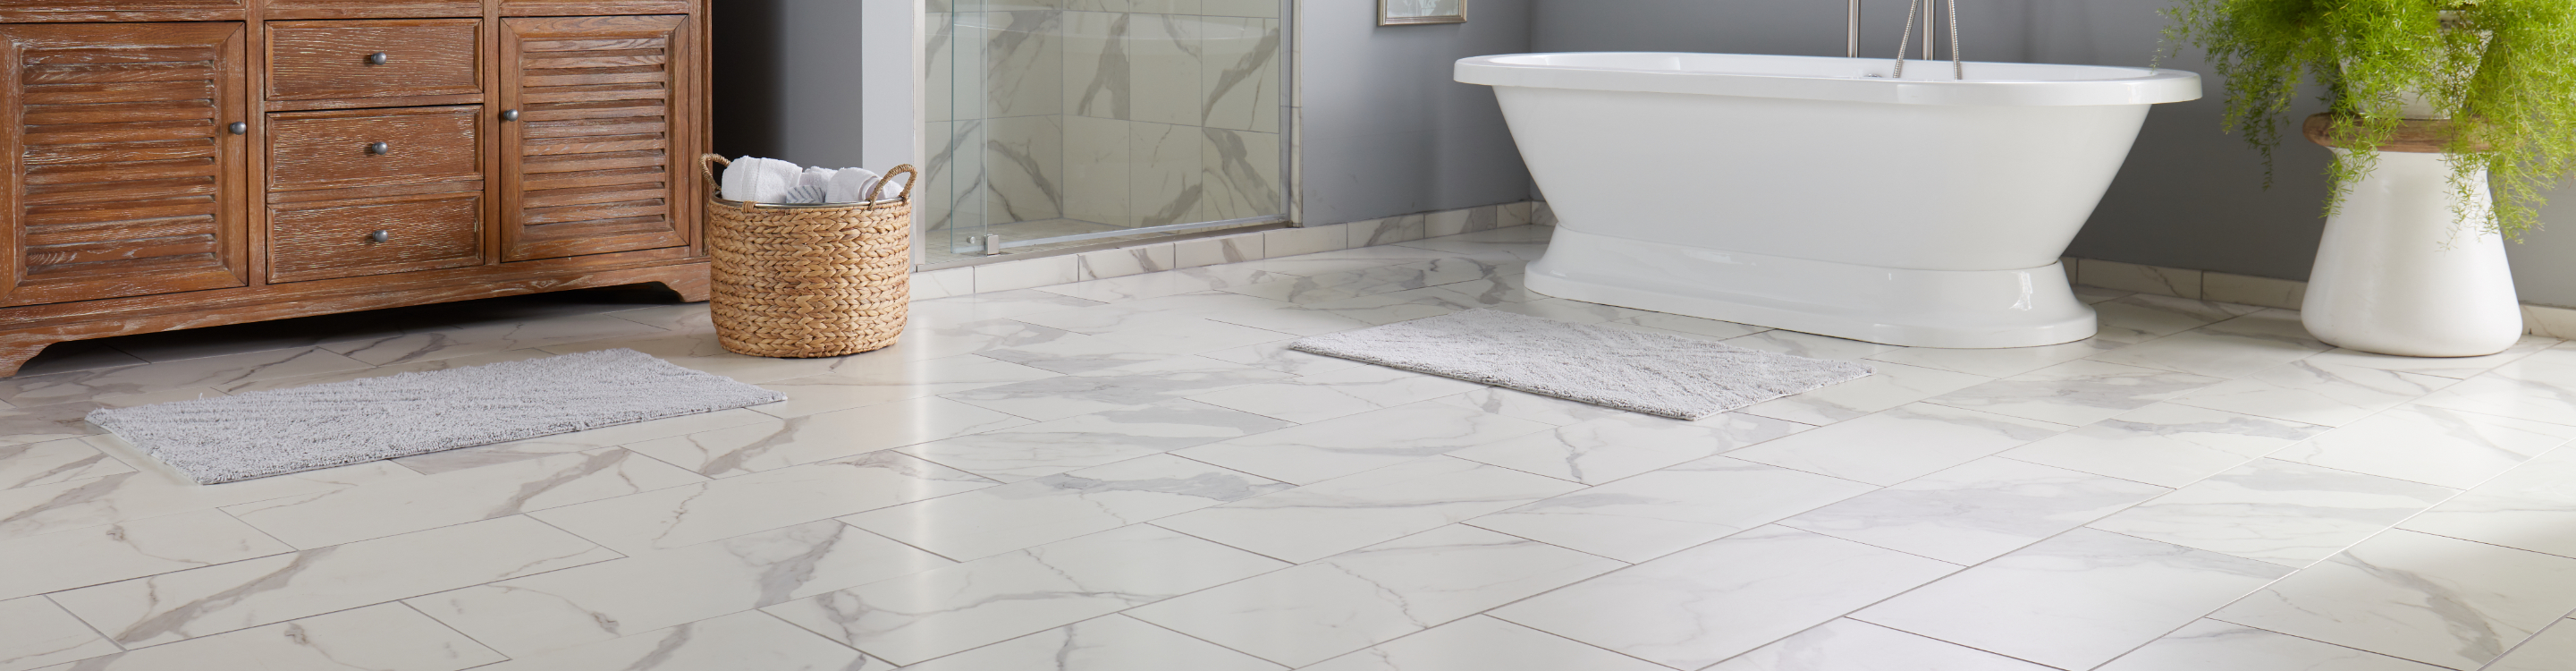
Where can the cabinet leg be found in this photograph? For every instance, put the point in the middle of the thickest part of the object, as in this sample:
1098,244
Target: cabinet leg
17,348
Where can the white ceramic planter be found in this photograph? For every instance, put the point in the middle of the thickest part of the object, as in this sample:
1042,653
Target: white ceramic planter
2398,273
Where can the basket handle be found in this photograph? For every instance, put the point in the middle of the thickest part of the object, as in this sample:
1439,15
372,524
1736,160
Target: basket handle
879,189
707,164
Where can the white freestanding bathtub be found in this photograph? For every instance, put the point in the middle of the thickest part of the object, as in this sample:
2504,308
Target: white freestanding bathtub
1821,195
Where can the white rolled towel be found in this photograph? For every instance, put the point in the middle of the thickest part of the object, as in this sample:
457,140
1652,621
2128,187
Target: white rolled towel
811,187
851,185
761,180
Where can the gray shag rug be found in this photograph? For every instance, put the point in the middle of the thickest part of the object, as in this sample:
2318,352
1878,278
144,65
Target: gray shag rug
1641,372
264,433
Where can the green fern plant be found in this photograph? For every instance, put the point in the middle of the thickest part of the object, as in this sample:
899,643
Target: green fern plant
2503,70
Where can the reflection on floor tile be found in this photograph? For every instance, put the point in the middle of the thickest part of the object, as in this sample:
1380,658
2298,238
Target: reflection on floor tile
1718,600
2076,600
2317,392
1666,511
1852,644
2277,511
999,598
1360,598
1114,642
2211,645
2080,392
2436,600
1900,444
2165,444
1977,511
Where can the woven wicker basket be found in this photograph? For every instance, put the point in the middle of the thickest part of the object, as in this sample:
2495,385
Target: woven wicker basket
804,281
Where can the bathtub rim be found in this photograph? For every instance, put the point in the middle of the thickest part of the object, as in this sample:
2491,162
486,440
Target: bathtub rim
2149,87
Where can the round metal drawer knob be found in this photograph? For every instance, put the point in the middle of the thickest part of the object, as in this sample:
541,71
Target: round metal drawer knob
380,149
510,115
380,236
240,128
378,58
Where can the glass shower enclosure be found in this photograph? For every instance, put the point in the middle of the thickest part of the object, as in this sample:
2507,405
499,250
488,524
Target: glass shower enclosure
1055,124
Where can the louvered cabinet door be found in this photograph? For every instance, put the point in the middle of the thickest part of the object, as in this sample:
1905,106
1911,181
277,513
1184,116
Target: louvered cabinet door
598,159
125,180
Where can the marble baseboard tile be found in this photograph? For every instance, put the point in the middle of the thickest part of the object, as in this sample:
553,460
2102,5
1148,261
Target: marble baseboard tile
2543,320
1239,248
1218,250
2158,280
1309,240
2251,290
1542,214
1124,262
943,283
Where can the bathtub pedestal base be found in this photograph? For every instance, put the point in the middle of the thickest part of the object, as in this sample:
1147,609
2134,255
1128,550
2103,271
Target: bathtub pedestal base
1914,308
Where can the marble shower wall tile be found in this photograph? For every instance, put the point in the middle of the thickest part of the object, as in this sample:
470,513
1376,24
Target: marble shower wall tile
217,599
608,600
1167,183
1313,612
1003,597
383,637
1024,168
1097,70
1099,166
1023,61
1702,605
2427,598
2076,600
1977,511
2277,511
1165,56
953,184
1242,179
1241,74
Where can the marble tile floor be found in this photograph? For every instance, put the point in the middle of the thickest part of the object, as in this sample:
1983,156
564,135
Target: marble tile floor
1134,474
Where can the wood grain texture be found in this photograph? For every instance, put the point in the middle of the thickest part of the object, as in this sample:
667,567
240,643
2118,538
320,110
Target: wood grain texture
310,150
313,241
16,346
309,60
125,180
281,10
134,205
592,165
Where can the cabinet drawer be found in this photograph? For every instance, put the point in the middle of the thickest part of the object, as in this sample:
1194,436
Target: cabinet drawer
316,241
310,150
320,60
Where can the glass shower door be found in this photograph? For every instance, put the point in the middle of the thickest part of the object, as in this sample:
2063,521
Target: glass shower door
1054,126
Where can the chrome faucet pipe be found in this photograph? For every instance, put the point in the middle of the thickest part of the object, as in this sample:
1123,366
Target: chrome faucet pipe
1852,33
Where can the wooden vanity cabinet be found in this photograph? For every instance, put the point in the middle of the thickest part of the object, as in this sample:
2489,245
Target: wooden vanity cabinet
188,163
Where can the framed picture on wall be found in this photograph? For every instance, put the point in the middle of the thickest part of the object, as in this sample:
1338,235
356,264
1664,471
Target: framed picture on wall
1418,12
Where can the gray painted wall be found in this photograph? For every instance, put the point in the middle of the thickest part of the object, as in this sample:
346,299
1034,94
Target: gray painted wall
2189,197
1386,131
794,80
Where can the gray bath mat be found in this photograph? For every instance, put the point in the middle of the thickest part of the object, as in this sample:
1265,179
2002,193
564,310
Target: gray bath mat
1643,372
264,433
